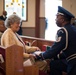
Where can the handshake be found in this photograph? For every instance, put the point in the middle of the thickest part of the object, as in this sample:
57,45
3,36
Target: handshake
37,55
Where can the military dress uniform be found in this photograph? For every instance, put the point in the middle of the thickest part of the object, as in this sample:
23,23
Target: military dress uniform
65,42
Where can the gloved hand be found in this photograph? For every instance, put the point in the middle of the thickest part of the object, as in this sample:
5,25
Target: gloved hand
37,55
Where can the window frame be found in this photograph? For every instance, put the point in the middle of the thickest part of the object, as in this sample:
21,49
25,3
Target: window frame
26,10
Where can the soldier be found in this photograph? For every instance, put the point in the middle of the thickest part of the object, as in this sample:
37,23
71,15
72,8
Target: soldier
65,42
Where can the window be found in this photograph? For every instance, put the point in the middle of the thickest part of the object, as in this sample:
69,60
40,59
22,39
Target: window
50,14
17,7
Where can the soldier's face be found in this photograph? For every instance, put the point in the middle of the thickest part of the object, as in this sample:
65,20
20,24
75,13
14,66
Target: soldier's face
59,20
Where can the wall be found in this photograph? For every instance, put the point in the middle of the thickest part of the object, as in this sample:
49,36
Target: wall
31,14
70,5
1,6
42,19
42,8
30,31
29,25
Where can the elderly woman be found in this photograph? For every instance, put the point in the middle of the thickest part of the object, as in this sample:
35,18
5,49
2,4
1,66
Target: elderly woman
11,37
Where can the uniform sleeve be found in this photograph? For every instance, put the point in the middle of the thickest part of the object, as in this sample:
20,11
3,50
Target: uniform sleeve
57,46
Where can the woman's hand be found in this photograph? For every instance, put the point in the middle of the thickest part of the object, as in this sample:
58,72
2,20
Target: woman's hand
26,55
36,48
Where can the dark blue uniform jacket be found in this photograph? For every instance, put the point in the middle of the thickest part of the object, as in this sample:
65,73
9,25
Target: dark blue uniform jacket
66,42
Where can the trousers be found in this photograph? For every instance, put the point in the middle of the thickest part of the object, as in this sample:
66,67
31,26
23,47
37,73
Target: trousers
58,66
